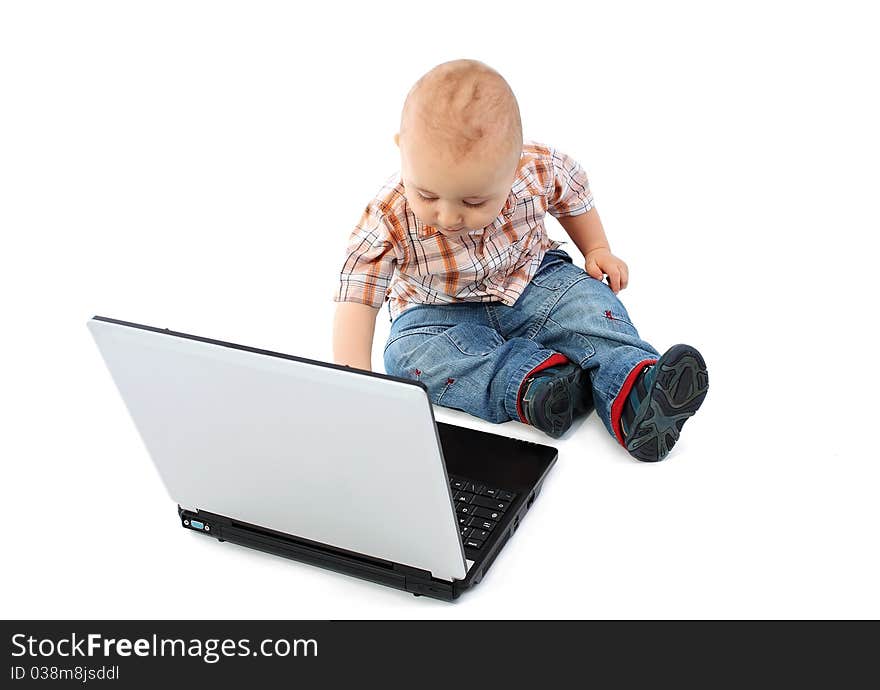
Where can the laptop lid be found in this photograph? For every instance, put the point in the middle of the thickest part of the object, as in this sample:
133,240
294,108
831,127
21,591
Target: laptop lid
326,453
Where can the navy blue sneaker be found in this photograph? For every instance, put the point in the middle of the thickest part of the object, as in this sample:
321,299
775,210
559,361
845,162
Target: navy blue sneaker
554,397
662,399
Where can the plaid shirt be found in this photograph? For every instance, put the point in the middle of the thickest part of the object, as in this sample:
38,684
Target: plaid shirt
392,255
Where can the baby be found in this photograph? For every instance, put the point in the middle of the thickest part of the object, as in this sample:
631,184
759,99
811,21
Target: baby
486,310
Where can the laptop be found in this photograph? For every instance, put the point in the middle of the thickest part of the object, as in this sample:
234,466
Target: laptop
324,464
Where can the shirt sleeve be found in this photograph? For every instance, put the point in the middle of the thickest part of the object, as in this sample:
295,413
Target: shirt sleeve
369,261
569,193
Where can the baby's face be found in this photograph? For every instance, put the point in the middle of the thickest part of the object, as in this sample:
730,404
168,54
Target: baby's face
454,197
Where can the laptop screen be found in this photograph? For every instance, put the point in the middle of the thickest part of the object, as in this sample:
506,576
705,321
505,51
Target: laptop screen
325,453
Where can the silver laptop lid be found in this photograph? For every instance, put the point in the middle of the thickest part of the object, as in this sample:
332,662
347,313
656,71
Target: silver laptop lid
335,456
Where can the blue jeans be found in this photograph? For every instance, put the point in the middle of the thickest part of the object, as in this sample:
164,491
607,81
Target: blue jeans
474,356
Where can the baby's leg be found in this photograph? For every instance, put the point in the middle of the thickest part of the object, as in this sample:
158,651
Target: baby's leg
463,360
566,310
590,322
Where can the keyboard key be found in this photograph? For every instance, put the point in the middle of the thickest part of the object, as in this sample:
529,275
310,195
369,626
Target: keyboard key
478,506
466,532
481,512
489,503
472,543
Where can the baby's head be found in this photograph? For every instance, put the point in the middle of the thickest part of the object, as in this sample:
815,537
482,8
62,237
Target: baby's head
460,144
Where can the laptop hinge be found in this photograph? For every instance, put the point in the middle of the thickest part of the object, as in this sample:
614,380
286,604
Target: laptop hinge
409,571
420,581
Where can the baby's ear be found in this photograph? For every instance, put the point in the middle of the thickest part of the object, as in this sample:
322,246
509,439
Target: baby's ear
397,140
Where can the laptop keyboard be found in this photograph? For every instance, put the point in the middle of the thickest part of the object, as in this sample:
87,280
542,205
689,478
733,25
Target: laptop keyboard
479,508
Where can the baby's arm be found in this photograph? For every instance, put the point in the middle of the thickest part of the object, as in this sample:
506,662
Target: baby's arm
571,203
367,271
353,329
587,233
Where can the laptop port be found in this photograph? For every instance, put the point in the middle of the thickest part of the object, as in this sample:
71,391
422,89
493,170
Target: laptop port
196,524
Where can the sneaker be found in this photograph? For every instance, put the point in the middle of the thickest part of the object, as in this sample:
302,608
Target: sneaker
662,399
555,396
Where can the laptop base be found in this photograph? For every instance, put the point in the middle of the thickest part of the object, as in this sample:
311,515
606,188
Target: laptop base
496,460
413,580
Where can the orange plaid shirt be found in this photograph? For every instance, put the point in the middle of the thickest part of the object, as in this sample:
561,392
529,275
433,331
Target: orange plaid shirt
391,255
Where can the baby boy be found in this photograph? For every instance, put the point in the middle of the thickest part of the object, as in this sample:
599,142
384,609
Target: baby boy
486,310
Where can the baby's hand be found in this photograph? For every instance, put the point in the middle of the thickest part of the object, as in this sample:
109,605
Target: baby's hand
601,261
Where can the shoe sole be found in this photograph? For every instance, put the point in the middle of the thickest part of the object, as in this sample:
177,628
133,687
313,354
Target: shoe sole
678,390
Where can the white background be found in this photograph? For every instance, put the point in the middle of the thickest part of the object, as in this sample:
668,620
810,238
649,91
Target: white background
199,165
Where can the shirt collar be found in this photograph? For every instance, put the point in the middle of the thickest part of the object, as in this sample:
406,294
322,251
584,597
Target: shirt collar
510,204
